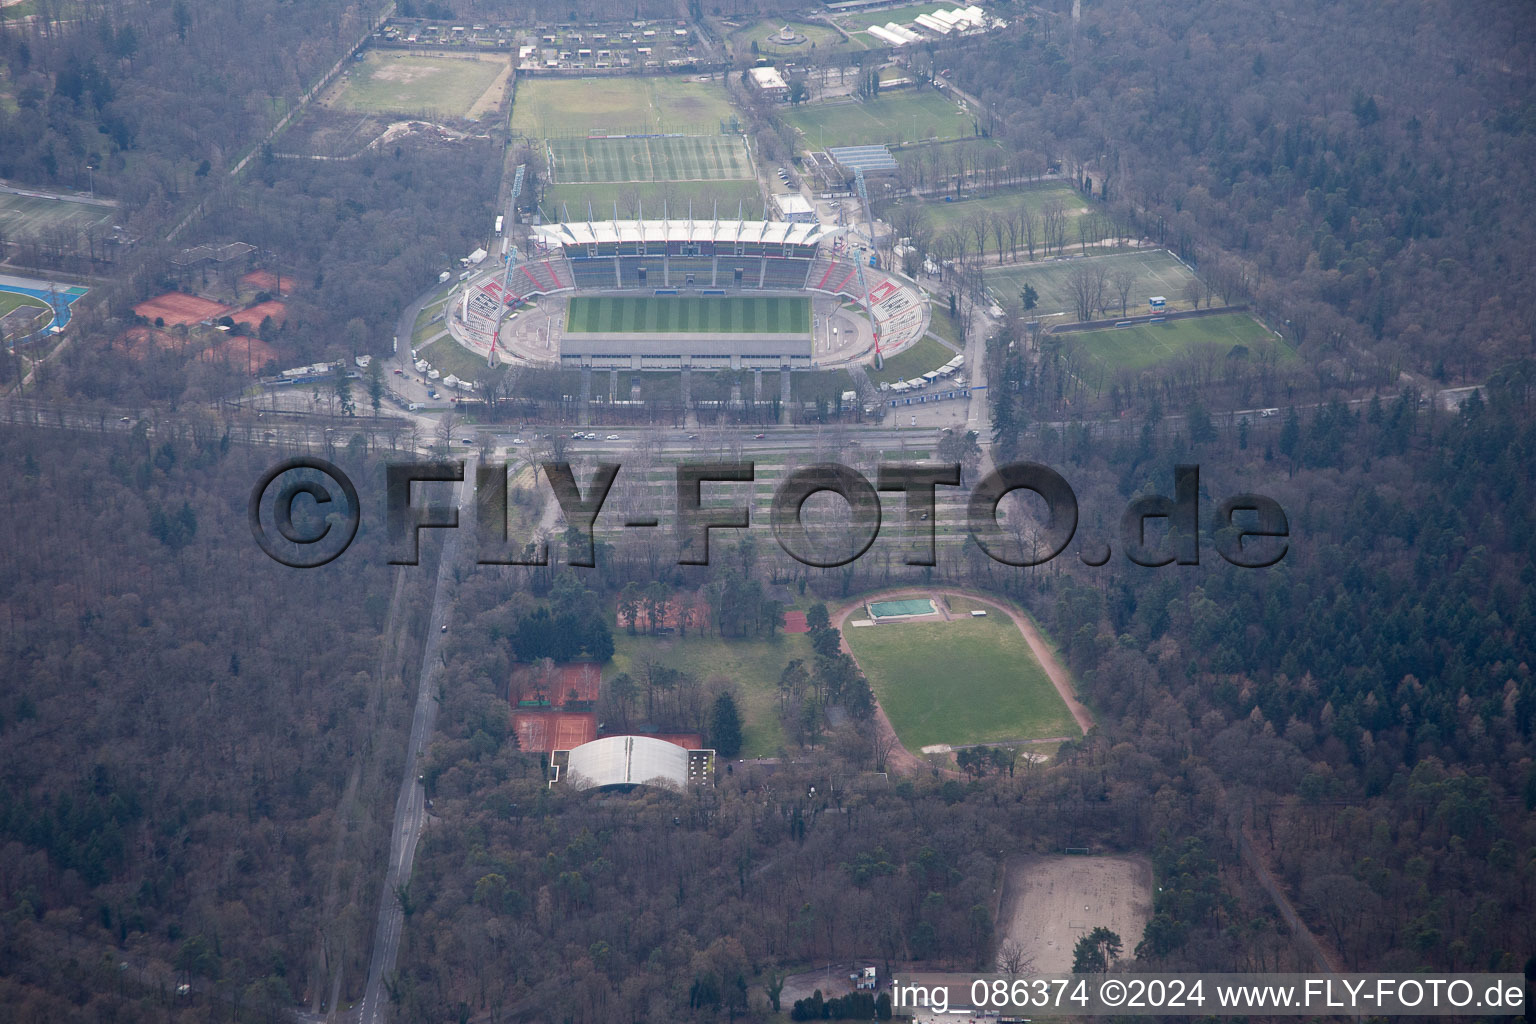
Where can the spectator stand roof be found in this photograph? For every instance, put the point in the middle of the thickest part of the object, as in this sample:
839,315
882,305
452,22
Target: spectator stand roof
865,158
609,232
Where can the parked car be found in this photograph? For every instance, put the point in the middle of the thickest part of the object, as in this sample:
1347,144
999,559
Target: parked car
613,437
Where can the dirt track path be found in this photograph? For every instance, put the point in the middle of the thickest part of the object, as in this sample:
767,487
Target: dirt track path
902,759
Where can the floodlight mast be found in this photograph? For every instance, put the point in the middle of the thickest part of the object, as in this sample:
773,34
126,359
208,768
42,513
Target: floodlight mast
858,265
510,260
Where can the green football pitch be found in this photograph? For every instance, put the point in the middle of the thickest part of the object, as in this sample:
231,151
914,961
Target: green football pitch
668,314
670,158
968,680
895,117
1142,345
551,108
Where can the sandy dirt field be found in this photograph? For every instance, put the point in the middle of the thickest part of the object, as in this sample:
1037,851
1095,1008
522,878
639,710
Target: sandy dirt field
1051,902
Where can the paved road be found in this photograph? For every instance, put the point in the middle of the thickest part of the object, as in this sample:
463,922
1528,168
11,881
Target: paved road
410,806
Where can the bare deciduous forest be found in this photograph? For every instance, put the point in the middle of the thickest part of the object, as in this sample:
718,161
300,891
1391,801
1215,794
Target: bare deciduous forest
199,748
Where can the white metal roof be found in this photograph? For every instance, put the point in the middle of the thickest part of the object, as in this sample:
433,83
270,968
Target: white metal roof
792,203
628,760
769,78
598,232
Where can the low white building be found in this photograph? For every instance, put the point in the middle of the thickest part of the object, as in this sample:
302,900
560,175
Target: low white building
770,82
795,208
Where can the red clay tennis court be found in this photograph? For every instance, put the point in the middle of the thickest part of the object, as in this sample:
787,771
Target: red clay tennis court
794,622
539,732
253,317
179,308
585,678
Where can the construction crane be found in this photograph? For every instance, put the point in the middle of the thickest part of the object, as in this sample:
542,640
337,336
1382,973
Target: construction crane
858,264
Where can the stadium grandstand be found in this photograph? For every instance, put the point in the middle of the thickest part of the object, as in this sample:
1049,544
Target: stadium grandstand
685,254
675,294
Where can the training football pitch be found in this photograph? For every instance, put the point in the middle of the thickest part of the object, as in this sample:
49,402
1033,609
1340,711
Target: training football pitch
968,680
410,83
27,216
551,108
1158,272
667,158
1142,345
666,314
895,117
634,199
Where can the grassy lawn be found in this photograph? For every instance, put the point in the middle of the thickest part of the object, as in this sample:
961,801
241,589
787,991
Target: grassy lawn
449,357
737,314
766,35
942,324
685,158
926,355
753,666
1034,198
1143,345
647,197
424,329
655,386
11,300
812,385
1157,273
963,681
548,108
894,118
410,83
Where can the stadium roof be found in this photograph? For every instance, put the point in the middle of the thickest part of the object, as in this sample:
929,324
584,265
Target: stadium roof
869,158
628,760
598,232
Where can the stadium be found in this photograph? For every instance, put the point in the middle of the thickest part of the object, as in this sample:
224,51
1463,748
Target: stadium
686,294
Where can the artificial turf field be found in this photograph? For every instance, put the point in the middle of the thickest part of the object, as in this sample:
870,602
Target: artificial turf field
964,681
410,83
667,158
736,314
632,199
27,216
896,116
